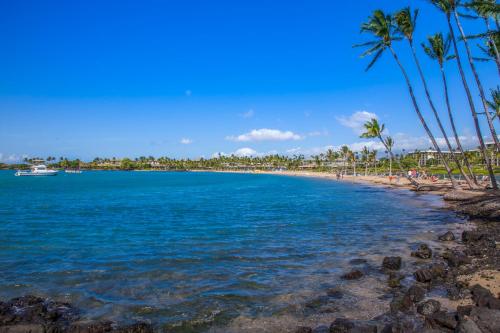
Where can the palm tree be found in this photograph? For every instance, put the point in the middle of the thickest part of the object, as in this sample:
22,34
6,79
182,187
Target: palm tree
344,153
406,23
389,143
365,155
448,7
487,9
453,5
494,103
382,27
439,49
374,130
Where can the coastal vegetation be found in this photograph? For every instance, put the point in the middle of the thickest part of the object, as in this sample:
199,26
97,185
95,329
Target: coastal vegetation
387,29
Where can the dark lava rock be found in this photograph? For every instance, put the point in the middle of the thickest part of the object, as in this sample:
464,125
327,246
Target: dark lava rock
471,236
464,310
447,237
139,328
321,329
394,280
98,327
335,293
444,319
423,252
401,303
480,295
467,326
438,270
456,259
341,325
488,320
392,263
353,275
429,307
303,329
423,275
358,261
416,293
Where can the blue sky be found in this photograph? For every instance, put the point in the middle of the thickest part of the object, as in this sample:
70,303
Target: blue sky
192,78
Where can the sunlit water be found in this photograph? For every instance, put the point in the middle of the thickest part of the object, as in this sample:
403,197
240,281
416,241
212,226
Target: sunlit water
195,249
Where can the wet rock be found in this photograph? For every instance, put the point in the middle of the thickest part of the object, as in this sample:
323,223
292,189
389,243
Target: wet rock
321,329
444,319
142,328
488,320
447,237
358,261
456,259
429,307
416,293
23,328
341,325
471,236
392,263
317,302
464,310
423,252
480,295
353,275
303,329
467,326
438,270
401,303
99,327
423,275
335,293
394,280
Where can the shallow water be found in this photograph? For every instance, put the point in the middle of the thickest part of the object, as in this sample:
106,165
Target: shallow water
195,250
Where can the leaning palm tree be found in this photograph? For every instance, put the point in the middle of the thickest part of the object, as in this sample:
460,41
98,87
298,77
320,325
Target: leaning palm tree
382,27
486,9
448,7
494,103
374,130
454,8
438,49
406,22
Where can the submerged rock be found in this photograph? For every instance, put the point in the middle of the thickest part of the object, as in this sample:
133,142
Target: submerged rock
353,275
401,303
423,275
303,329
341,325
423,252
429,307
416,293
392,263
447,237
394,280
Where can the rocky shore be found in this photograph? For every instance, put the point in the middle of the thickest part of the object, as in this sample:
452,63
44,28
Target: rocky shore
466,266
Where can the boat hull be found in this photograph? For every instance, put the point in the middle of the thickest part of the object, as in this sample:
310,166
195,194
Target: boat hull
35,174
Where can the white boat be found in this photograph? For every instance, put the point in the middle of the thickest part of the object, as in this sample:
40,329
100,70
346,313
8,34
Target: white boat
37,170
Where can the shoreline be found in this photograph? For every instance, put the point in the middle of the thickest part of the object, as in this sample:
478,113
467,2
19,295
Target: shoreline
464,259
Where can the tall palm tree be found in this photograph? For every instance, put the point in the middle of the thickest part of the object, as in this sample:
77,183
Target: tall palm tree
365,155
389,143
487,9
494,103
448,7
375,130
382,27
439,49
454,7
344,153
406,23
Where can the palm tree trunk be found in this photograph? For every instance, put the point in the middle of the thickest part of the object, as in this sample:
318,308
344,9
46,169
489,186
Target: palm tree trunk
438,119
366,167
452,122
471,105
479,84
492,41
422,120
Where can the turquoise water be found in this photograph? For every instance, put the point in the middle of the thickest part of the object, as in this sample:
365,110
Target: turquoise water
193,247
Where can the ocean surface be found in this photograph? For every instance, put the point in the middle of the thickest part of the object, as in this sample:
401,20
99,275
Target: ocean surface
190,251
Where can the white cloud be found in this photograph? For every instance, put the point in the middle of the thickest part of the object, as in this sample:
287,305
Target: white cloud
356,120
249,114
186,141
13,158
245,152
265,134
